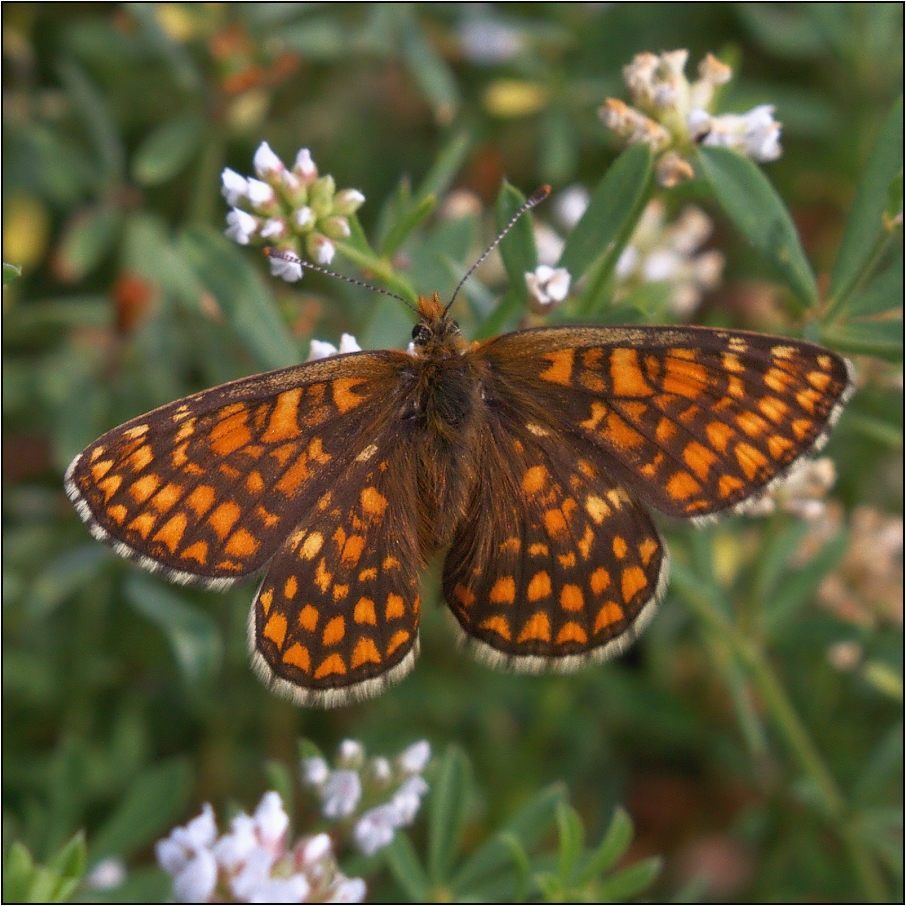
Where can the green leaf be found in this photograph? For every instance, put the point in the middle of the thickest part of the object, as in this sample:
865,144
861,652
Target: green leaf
406,868
247,306
451,792
611,848
571,840
406,223
154,802
517,248
443,171
11,272
612,212
865,229
18,872
87,239
429,69
166,150
882,338
630,882
68,866
757,211
884,290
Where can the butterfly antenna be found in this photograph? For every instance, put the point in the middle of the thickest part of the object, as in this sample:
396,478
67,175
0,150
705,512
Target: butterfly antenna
292,258
532,201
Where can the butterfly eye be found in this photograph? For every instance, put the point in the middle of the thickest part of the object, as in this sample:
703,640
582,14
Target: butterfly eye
421,333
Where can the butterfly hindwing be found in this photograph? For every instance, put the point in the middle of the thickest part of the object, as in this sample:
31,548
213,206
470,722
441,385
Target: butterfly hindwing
693,420
207,488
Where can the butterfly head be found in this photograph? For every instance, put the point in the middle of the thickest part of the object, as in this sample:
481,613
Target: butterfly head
435,329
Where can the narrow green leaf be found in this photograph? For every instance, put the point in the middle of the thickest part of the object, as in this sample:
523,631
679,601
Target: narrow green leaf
155,800
611,848
630,882
11,272
757,211
571,840
166,150
68,867
414,217
865,228
87,238
883,292
451,792
429,70
517,248
612,212
443,171
404,865
18,871
882,338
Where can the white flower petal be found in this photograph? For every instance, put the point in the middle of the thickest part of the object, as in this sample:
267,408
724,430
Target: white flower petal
234,187
348,343
315,770
341,794
266,162
195,883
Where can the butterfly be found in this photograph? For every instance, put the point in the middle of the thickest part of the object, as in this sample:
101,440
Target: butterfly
530,460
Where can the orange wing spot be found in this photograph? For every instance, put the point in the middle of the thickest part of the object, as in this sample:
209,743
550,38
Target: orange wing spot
228,470
534,480
699,459
567,561
197,551
266,598
632,582
538,628
186,430
616,498
619,433
110,486
275,629
538,550
340,592
143,524
352,549
282,453
600,580
171,532
499,625
417,605
587,469
736,388
777,379
343,397
750,460
242,544
290,587
561,367
330,665
373,502
368,574
689,415
619,547
224,518
571,598
167,497
684,378
569,506
772,408
334,632
254,483
647,549
230,435
665,431
503,592
572,632
297,655
141,457
142,488
365,653
391,563
609,614
783,352
751,424
136,432
825,362
312,544
96,453
201,499
779,446
99,470
268,518
295,476
118,513
818,379
399,638
626,376
464,595
719,435
540,586
738,343
682,485
395,607
731,363
650,469
596,508
802,428
591,381
598,413
308,618
364,612
727,486
323,577
554,522
511,546
283,424
585,544
808,399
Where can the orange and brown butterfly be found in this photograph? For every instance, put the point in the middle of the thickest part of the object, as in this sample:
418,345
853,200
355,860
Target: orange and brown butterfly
530,460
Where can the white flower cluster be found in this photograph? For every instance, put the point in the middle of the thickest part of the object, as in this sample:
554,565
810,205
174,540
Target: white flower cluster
672,115
659,251
320,349
393,791
548,285
287,206
251,863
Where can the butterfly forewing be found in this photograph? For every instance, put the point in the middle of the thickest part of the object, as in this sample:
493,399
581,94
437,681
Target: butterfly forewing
695,421
206,489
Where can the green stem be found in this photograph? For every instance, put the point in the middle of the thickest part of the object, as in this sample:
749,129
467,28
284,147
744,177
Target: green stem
860,277
792,729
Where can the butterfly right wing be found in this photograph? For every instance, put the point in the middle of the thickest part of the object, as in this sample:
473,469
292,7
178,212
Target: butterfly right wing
206,489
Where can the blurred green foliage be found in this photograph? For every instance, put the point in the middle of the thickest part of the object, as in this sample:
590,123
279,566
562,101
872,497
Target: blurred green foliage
752,755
